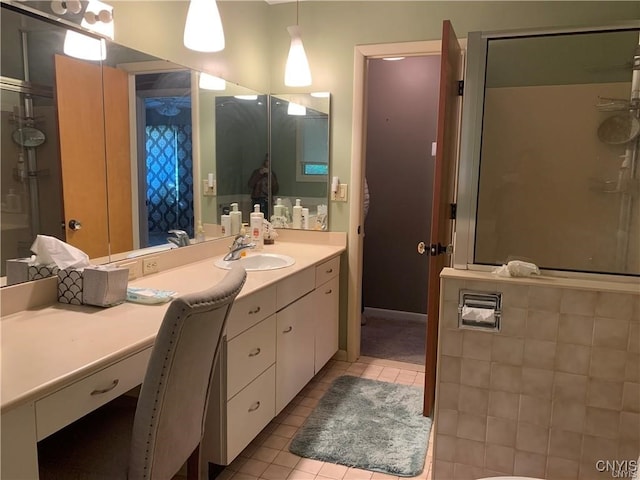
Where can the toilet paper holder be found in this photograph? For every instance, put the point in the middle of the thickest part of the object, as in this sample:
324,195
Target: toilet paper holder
486,304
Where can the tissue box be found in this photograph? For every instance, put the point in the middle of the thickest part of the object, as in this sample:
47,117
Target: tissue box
21,270
99,286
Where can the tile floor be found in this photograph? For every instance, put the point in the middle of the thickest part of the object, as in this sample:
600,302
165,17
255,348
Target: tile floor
268,456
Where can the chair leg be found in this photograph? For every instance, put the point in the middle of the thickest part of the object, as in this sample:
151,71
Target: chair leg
193,465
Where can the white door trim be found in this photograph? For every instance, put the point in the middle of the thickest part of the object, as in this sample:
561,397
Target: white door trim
354,245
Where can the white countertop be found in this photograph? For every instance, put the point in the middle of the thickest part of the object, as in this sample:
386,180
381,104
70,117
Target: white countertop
46,348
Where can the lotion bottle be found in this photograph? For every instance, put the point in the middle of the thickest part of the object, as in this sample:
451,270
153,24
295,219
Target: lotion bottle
236,219
296,221
256,220
305,219
225,224
278,209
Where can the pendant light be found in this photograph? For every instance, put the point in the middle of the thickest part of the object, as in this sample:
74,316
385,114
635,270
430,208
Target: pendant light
211,82
297,72
203,30
296,109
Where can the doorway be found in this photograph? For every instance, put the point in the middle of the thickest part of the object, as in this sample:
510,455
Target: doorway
401,106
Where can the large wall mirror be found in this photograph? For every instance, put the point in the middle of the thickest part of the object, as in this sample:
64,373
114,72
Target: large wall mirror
110,155
299,159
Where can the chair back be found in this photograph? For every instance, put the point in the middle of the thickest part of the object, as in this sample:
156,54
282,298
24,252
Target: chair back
171,409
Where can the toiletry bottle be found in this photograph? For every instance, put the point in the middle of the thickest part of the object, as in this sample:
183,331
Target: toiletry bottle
256,220
305,219
225,224
296,221
236,219
13,202
200,233
278,209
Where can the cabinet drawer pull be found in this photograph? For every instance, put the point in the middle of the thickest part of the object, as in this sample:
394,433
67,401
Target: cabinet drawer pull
254,352
255,310
328,292
254,407
330,270
100,391
288,329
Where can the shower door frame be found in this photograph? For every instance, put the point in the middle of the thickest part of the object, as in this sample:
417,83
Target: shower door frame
469,164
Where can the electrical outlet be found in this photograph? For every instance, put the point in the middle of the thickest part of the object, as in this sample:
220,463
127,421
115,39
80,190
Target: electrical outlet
149,265
208,191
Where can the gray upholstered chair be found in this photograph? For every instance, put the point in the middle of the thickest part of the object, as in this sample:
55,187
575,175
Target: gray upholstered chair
153,437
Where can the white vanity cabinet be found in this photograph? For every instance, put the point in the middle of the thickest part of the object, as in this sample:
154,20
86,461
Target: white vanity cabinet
326,311
273,347
295,344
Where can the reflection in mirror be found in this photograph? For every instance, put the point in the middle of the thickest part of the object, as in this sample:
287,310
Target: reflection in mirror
299,125
33,193
233,142
165,158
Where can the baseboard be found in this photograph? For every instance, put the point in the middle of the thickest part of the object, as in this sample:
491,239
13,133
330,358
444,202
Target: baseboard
340,355
395,314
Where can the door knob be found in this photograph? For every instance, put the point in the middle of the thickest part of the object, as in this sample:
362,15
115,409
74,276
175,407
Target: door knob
75,225
421,248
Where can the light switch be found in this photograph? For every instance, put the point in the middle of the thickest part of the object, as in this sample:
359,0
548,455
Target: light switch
341,194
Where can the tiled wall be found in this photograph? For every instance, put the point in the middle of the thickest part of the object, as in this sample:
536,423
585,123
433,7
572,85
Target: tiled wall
557,389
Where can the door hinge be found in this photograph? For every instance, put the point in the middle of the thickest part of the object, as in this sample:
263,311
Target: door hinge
453,211
439,249
460,87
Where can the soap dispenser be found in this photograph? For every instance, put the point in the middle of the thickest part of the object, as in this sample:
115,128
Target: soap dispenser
236,219
296,221
278,209
256,220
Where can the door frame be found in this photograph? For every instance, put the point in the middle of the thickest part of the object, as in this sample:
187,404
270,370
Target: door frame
358,160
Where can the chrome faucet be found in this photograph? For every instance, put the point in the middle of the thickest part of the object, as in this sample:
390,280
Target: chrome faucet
181,238
241,242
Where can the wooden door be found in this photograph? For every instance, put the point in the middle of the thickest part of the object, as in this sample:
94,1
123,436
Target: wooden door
118,158
443,196
82,153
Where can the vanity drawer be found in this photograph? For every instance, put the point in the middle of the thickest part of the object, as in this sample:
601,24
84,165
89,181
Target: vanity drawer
249,412
295,286
250,354
327,270
251,309
67,405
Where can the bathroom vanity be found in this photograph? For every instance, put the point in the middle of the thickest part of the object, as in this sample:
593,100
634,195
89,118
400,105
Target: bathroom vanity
59,362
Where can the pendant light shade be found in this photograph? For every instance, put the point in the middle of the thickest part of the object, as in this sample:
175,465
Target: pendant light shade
297,72
210,82
203,30
296,109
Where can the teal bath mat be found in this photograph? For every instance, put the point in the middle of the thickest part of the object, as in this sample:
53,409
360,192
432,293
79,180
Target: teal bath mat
367,424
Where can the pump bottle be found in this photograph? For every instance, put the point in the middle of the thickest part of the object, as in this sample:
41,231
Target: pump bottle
256,220
296,221
236,219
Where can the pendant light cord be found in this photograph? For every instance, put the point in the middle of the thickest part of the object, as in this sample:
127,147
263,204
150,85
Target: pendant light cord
297,11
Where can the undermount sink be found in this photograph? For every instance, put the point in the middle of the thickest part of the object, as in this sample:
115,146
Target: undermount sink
258,262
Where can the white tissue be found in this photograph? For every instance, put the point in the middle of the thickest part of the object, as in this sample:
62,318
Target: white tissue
479,315
50,250
517,268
